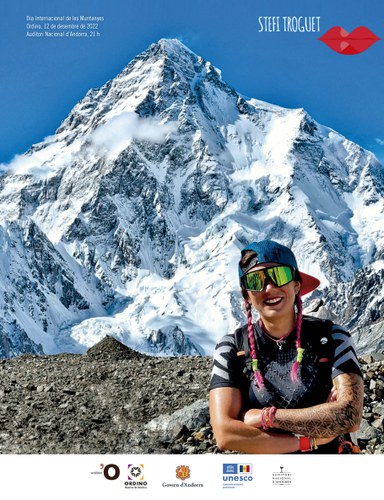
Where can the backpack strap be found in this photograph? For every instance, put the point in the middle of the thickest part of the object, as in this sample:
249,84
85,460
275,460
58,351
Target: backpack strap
242,346
321,336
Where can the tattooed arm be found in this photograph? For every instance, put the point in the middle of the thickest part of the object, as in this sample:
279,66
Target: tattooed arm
231,433
327,419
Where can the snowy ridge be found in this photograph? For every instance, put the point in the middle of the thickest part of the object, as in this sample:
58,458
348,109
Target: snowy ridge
140,202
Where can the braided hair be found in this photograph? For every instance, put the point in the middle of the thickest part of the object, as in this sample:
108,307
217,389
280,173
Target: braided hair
294,373
299,349
252,346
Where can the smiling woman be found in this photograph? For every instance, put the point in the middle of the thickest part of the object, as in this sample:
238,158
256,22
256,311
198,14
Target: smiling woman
286,383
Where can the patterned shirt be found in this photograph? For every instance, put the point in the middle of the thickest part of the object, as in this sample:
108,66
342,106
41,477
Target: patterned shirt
328,352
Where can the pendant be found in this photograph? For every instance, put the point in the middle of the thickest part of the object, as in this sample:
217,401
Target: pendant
280,344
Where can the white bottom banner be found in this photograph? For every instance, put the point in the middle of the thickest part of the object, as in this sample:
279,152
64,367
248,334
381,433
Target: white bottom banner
178,476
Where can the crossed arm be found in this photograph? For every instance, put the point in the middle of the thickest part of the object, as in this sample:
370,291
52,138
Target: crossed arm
324,421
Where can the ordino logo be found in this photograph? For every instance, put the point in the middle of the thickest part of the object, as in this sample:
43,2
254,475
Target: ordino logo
136,477
237,475
349,44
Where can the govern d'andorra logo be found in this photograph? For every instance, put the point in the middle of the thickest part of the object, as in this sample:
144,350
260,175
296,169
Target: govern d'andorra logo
183,473
235,475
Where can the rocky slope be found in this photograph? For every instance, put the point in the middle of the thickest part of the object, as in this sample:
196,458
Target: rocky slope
115,400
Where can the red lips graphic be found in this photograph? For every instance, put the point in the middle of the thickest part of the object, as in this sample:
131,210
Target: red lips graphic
349,44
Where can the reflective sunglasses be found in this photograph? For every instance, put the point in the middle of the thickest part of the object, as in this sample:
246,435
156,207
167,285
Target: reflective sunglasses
255,281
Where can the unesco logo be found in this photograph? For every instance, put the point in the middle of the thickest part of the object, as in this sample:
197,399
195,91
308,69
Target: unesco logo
237,474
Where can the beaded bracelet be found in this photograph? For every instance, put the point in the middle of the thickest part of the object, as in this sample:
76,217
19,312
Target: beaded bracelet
272,412
263,419
267,417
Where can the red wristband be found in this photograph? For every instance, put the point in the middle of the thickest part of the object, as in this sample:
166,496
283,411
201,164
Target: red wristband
305,443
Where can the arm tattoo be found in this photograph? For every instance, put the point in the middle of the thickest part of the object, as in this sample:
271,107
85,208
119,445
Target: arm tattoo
327,419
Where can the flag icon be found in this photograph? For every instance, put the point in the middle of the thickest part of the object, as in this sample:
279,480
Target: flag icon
245,468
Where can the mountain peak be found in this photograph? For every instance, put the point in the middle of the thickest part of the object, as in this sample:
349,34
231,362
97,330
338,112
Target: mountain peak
159,79
165,51
172,45
183,60
141,201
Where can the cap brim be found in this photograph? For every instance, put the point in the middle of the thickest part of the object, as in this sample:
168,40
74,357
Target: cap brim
308,283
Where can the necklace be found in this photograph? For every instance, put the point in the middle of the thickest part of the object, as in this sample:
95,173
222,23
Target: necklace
279,342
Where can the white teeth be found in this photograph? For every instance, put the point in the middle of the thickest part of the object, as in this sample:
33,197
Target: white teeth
273,301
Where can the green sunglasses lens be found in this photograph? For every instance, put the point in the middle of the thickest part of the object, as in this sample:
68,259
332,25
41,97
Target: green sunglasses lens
279,275
254,281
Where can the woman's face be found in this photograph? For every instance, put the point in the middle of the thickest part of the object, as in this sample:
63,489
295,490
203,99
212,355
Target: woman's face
274,303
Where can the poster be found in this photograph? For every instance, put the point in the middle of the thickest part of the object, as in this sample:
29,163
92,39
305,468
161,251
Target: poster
54,52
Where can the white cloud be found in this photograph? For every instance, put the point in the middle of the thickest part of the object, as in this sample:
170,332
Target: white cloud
379,141
38,162
115,135
108,139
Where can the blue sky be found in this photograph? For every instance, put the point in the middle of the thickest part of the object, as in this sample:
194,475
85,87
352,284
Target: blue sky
41,79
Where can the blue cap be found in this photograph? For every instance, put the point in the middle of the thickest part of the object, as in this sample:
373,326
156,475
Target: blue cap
268,251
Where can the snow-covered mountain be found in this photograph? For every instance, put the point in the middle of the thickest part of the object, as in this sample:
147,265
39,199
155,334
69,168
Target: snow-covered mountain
128,220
